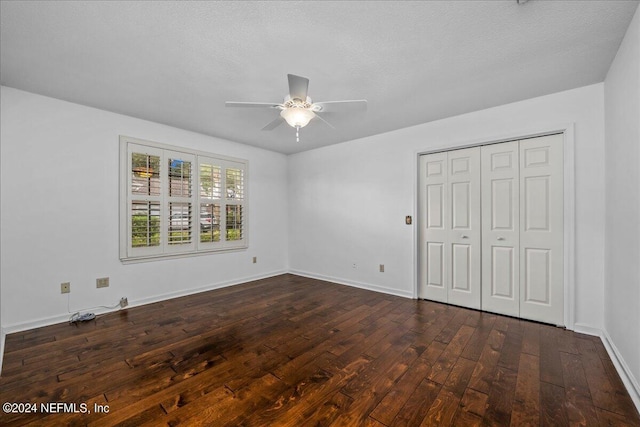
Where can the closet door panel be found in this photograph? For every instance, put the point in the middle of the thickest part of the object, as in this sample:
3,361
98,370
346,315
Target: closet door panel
541,232
464,244
433,199
500,228
502,268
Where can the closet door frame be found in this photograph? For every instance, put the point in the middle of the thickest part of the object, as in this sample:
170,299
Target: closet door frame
568,202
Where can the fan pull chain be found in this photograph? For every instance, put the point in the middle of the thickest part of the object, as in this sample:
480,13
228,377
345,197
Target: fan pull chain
297,133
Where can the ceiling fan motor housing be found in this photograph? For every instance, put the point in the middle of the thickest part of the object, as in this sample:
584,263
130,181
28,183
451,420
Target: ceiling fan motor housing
297,102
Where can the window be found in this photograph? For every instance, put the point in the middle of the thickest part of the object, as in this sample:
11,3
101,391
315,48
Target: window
176,201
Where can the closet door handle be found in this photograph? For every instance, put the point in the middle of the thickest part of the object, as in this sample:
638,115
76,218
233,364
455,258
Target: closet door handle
465,236
500,238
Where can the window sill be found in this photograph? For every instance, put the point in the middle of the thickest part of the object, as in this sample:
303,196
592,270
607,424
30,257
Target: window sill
161,257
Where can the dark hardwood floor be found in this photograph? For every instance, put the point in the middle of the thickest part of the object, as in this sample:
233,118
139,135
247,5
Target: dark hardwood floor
295,351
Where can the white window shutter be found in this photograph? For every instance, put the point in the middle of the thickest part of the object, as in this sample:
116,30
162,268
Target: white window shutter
177,202
143,200
180,202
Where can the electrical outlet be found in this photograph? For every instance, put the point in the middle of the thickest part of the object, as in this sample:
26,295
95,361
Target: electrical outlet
65,287
102,282
354,265
124,302
381,268
255,259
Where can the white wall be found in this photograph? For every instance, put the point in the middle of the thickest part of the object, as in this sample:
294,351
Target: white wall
622,232
60,213
348,202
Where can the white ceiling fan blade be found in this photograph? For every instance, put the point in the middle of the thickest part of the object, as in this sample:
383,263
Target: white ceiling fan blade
325,122
253,104
342,106
273,124
298,87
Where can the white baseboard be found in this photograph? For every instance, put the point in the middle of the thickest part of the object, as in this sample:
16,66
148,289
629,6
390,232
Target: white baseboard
51,320
366,286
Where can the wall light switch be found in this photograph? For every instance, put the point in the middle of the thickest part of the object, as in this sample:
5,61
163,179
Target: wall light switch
65,287
381,268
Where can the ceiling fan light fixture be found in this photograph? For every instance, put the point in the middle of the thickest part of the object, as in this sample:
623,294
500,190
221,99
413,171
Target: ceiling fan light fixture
298,109
297,117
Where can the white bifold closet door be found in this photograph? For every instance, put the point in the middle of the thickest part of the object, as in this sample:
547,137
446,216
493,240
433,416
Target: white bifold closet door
501,228
522,229
542,229
450,227
491,228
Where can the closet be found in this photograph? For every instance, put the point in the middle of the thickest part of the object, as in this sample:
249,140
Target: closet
491,228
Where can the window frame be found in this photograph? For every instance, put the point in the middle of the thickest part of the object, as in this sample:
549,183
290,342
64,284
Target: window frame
165,250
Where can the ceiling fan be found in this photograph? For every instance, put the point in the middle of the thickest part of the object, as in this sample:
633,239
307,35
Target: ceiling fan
298,109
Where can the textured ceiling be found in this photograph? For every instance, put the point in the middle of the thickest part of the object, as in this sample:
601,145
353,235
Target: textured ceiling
178,62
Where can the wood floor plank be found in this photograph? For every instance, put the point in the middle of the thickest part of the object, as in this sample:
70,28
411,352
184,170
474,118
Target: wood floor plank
500,399
552,408
290,370
313,402
474,402
467,419
286,400
611,419
512,347
416,408
580,409
443,410
392,403
400,351
458,379
531,339
449,356
483,373
484,326
550,364
625,403
230,407
605,393
294,351
326,413
567,341
526,402
367,398
453,326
